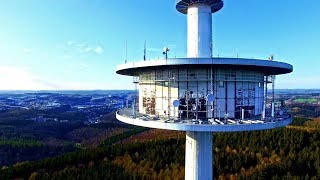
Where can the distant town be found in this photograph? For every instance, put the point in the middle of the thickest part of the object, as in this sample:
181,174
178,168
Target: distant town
93,104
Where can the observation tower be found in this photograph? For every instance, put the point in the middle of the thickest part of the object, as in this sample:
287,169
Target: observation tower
202,94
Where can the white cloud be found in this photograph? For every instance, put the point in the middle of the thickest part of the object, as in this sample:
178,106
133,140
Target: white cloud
27,50
17,78
91,49
67,56
98,50
83,66
70,43
84,47
83,44
87,49
67,71
22,78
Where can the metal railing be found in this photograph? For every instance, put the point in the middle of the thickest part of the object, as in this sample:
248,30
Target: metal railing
209,121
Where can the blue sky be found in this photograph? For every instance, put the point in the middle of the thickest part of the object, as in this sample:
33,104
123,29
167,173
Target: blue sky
77,44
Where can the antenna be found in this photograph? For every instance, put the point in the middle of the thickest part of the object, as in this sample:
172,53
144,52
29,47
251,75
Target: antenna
145,50
126,52
165,52
237,52
271,57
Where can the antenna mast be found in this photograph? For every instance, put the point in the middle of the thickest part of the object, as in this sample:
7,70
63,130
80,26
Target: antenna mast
126,52
145,50
273,78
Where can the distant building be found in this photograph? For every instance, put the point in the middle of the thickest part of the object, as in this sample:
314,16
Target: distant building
40,119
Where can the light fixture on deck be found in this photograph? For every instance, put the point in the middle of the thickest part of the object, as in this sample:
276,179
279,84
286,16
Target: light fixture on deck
165,52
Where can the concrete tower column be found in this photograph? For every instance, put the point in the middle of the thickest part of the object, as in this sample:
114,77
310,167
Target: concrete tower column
198,163
199,31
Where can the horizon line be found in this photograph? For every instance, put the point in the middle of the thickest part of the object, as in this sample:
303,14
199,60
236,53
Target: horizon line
127,89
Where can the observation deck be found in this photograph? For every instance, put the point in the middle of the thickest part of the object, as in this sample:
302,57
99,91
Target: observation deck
266,66
212,125
183,5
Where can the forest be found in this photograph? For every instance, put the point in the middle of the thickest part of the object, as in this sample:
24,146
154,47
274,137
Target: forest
26,140
292,152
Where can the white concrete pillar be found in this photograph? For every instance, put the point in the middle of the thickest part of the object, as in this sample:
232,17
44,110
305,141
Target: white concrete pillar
199,31
264,98
242,114
134,109
210,110
199,156
272,109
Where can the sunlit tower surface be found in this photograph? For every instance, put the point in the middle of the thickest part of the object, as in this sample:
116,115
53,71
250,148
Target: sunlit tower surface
202,94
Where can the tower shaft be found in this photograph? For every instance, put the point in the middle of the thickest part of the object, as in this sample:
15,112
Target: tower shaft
198,163
199,31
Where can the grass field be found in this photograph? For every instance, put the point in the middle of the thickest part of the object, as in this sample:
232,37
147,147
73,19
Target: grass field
306,100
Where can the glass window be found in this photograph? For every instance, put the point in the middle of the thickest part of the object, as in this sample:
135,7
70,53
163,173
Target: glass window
221,84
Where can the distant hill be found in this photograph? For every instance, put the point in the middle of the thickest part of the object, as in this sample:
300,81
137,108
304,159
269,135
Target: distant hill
65,91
